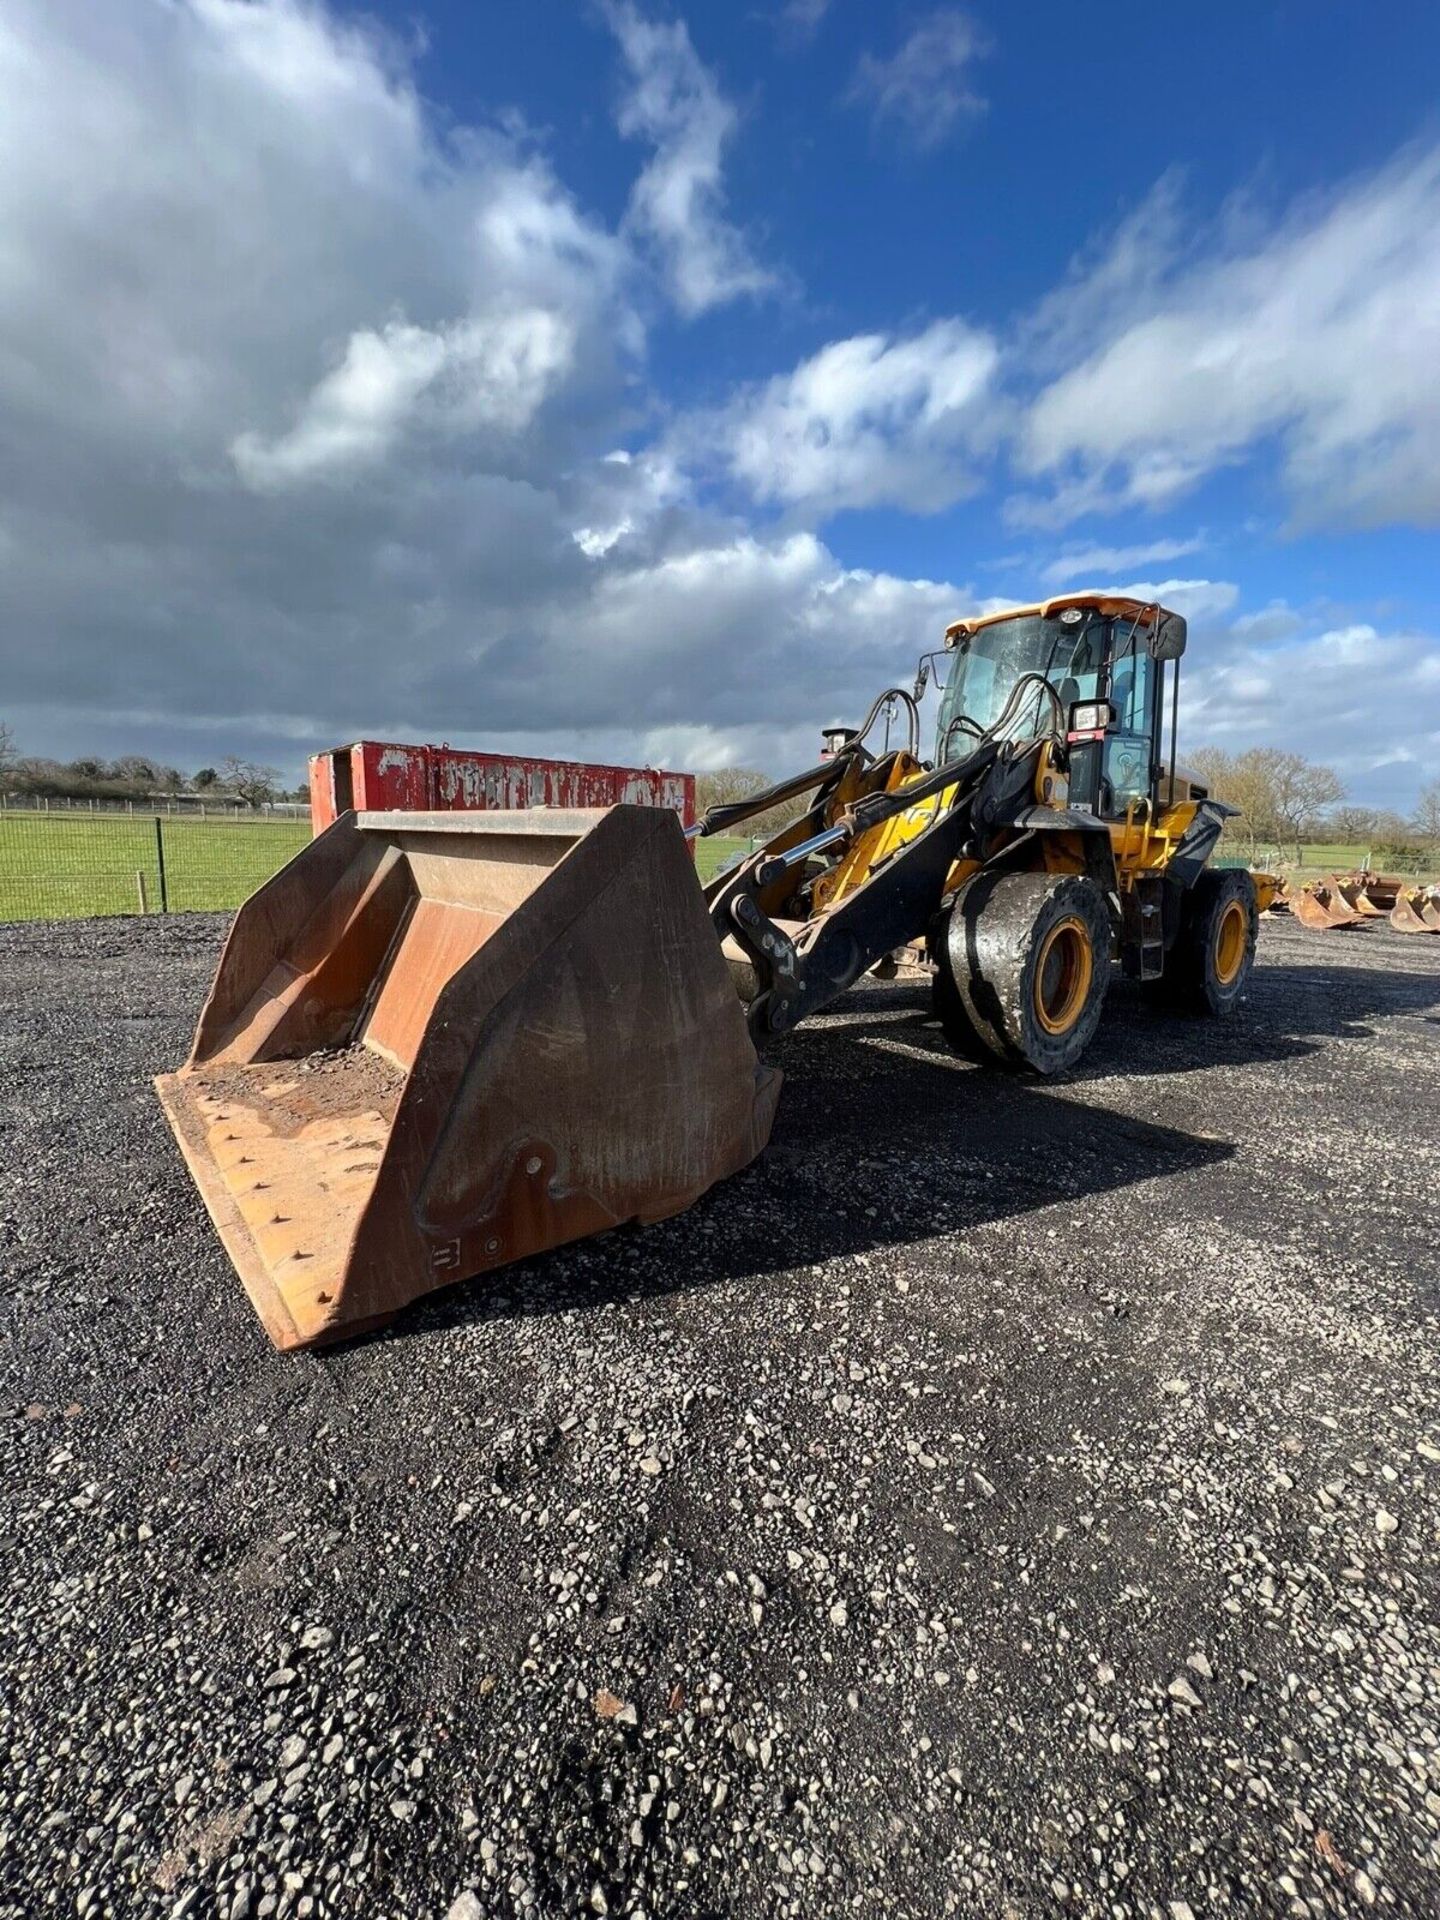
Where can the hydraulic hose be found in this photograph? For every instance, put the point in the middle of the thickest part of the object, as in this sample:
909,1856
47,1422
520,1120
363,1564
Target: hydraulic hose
912,713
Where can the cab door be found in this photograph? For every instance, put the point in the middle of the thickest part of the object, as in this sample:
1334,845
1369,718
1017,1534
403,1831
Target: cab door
1128,767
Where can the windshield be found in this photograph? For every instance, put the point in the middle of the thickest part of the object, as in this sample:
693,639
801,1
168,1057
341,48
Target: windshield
986,667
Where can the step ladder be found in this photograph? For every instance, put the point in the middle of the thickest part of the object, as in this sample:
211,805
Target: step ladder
1142,907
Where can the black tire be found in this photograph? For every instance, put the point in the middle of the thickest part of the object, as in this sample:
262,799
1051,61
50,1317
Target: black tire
1022,969
949,1010
1207,969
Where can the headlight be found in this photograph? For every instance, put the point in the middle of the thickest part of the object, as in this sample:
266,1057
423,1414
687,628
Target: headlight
1090,716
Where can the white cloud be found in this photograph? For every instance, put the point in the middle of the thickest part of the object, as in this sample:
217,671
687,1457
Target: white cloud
1201,601
1321,334
323,418
1083,563
1359,698
867,421
311,416
477,375
798,21
677,204
1275,622
922,92
686,637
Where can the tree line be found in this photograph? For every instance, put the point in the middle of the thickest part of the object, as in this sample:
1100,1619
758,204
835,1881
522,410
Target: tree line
134,776
1286,800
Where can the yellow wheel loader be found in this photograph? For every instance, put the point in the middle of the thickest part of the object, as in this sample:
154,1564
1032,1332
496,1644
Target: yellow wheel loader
440,1043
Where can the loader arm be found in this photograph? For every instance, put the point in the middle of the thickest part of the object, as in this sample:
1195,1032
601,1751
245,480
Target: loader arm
972,802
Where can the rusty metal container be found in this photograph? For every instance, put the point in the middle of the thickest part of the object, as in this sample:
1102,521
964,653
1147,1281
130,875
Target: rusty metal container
383,776
439,1043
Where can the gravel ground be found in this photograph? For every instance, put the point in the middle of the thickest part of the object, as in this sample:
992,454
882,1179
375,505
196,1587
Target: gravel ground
1001,1500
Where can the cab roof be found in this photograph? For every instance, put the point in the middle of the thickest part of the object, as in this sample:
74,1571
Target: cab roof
1112,605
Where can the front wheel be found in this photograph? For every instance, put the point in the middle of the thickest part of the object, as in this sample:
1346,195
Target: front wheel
1207,968
1023,966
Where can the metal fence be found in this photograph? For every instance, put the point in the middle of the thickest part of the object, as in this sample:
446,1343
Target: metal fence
64,865
183,806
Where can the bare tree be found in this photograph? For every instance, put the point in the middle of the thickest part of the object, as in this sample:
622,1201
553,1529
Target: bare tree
1354,823
135,770
1427,812
1213,768
725,786
1281,796
1238,780
1299,792
9,759
248,781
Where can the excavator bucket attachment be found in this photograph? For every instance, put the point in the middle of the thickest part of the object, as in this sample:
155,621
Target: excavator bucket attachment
1353,894
1407,916
1416,909
439,1043
1381,889
1321,908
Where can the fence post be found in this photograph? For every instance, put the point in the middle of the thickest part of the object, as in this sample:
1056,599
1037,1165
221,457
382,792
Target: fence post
160,864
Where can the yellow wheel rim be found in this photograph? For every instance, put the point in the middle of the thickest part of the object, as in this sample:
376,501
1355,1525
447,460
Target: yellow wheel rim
1060,984
1230,943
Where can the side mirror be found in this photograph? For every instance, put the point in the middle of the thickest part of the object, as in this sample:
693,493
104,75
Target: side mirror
1167,642
921,678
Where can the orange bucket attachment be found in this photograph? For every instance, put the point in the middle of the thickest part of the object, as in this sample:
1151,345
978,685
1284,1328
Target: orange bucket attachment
1355,895
1380,889
1322,908
439,1043
1416,911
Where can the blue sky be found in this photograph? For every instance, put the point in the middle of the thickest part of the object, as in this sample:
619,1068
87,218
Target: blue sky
654,383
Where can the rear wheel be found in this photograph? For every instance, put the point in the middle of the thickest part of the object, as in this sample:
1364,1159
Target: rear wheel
1207,968
1022,969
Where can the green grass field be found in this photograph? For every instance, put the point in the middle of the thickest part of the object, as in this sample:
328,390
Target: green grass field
56,866
1321,857
66,866
723,851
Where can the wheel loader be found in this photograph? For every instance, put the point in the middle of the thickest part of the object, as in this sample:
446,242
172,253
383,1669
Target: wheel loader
437,1044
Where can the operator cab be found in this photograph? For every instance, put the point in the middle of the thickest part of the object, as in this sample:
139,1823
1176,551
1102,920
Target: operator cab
1097,665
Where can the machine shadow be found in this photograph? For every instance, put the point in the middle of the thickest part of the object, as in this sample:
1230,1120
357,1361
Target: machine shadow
1286,1015
885,1138
872,1149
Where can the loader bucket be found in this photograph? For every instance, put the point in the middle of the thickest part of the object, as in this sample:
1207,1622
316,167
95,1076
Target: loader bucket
1353,894
439,1043
1406,916
1321,910
1381,889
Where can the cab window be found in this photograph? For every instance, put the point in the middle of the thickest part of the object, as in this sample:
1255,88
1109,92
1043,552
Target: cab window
1128,746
